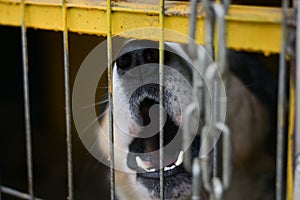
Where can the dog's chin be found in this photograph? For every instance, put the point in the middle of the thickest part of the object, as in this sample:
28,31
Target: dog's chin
177,183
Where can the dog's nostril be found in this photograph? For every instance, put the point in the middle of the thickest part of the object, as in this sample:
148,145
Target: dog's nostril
124,61
151,55
144,110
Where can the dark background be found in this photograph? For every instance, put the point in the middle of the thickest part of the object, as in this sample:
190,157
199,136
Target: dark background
45,50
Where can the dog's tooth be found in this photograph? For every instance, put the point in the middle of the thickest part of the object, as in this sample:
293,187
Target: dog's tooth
141,163
151,170
166,168
179,159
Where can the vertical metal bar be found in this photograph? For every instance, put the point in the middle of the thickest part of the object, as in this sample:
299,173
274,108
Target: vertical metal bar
215,118
297,177
0,186
161,95
196,182
291,133
110,100
297,128
192,49
207,131
226,153
206,139
220,57
67,102
281,106
209,27
217,191
26,103
197,85
187,136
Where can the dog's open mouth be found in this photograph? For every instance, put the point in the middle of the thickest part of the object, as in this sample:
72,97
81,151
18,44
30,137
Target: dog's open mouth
154,173
144,157
144,150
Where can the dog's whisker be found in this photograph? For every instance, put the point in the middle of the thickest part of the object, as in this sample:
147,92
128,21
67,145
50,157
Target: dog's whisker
96,119
102,87
95,104
104,95
90,149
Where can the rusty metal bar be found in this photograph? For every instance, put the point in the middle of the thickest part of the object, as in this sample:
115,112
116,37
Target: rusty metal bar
67,103
16,193
281,106
110,98
161,95
26,103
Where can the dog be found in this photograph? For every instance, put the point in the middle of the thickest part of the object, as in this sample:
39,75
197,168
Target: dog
136,96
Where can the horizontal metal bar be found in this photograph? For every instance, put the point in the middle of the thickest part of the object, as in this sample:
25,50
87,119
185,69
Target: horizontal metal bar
16,193
248,28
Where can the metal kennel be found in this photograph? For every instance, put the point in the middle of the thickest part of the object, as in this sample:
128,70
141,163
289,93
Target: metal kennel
109,18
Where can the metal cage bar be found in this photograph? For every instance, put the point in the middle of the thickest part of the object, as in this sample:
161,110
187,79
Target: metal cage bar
26,103
16,193
67,102
281,106
161,94
110,99
297,119
196,180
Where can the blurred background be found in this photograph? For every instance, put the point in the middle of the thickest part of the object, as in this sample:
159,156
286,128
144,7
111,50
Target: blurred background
47,106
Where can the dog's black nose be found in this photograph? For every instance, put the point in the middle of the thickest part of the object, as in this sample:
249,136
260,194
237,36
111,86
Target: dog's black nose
124,61
151,55
138,57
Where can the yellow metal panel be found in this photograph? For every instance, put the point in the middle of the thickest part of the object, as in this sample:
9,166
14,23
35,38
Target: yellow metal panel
182,26
123,21
254,36
254,14
249,28
10,14
47,17
86,20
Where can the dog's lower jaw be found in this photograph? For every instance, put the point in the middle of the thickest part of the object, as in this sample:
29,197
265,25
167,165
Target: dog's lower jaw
129,187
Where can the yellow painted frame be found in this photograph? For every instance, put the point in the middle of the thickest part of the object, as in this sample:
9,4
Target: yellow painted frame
250,28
